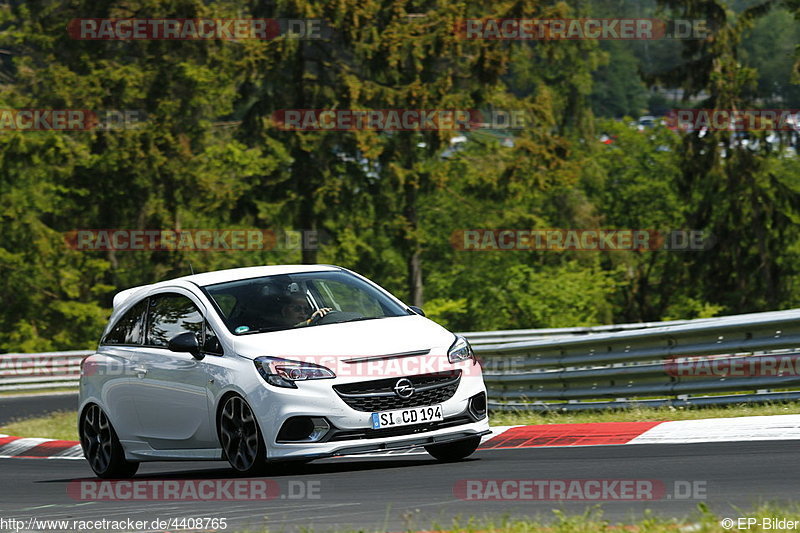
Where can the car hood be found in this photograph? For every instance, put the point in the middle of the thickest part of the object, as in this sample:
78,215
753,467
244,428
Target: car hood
366,338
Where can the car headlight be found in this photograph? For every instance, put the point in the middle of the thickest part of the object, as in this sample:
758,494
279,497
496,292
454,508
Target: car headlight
284,372
460,350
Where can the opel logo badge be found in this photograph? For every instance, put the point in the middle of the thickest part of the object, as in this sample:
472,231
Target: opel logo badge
403,388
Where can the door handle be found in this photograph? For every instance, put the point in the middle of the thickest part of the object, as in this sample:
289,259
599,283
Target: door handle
140,371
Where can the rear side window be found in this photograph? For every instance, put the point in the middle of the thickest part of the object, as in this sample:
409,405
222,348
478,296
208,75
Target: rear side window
171,315
129,329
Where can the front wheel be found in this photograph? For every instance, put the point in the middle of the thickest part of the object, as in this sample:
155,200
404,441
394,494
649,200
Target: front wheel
454,451
240,437
102,448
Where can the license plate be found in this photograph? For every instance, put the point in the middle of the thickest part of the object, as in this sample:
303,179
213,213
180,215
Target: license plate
406,417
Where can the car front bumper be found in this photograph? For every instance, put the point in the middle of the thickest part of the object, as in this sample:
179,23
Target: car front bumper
351,430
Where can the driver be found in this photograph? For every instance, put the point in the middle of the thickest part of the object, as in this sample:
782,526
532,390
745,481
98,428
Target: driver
298,313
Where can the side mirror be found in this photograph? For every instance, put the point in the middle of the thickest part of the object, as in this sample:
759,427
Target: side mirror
417,310
185,342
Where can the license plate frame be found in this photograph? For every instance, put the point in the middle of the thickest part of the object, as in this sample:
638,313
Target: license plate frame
407,417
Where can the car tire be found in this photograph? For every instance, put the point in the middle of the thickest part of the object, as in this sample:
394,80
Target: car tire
454,451
101,446
240,437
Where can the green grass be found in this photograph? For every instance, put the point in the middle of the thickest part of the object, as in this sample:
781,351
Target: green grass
701,521
61,425
513,418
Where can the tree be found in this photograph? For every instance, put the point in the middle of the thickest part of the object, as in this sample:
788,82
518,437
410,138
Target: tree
730,186
167,173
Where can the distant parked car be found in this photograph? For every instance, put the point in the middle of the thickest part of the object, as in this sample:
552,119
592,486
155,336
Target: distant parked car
274,363
647,121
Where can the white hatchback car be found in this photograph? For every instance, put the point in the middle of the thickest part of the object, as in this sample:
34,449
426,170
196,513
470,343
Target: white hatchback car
274,363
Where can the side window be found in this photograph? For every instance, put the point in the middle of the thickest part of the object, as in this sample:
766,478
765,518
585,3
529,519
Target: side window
129,329
170,315
211,344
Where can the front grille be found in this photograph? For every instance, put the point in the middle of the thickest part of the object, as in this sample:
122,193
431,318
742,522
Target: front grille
378,395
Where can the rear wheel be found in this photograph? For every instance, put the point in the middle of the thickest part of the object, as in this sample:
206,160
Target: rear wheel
240,437
454,451
102,448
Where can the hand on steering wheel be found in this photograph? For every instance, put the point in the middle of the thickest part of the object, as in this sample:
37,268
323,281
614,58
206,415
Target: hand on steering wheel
317,315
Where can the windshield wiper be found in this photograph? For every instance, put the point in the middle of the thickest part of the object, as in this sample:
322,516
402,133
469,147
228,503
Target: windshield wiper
359,319
263,330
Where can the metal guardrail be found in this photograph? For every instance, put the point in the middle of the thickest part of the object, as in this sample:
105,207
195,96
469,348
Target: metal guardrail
477,338
20,372
743,358
31,371
697,362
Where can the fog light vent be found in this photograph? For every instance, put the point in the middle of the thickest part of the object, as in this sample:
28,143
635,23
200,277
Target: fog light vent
477,406
303,429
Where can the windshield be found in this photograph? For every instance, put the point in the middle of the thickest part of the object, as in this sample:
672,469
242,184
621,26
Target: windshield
287,301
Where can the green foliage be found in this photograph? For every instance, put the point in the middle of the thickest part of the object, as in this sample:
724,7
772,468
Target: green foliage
550,297
446,312
618,89
770,48
210,156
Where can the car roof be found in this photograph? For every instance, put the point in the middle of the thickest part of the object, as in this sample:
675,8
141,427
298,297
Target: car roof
221,276
233,274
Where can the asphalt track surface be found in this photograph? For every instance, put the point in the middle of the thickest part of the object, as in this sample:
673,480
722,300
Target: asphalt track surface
19,407
415,492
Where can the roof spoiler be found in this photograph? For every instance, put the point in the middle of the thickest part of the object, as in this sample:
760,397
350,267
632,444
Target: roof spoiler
122,296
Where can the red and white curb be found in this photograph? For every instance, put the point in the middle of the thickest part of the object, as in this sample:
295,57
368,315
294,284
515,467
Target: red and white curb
743,429
39,448
552,435
750,428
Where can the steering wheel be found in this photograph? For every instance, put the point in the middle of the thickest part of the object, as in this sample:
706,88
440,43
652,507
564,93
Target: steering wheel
335,316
